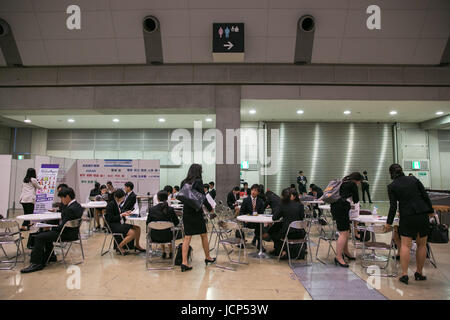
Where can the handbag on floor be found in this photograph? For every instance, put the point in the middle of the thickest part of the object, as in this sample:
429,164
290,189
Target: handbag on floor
179,254
438,233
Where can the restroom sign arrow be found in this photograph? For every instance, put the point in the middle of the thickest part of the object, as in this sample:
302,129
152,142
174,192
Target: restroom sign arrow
228,45
228,37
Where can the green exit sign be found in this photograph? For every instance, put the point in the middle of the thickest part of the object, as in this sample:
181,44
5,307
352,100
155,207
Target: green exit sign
20,157
416,165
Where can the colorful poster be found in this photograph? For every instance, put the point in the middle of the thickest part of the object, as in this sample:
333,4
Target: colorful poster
47,177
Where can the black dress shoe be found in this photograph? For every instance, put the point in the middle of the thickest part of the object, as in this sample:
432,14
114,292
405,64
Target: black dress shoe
210,261
336,262
404,279
348,257
32,268
185,268
419,277
140,250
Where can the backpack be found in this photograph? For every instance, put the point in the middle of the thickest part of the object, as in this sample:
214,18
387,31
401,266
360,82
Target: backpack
331,192
179,256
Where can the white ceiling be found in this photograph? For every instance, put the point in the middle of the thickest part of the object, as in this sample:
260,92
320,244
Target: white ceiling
333,110
95,121
266,110
413,31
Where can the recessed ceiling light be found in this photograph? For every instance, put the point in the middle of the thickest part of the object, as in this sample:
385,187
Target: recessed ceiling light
71,120
208,119
439,113
162,120
393,113
347,112
300,111
116,120
252,111
27,120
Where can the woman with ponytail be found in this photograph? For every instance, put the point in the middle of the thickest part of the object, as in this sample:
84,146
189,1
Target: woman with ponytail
340,211
162,212
414,205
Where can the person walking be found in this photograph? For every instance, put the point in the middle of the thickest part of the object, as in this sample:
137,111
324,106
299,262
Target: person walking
193,220
365,187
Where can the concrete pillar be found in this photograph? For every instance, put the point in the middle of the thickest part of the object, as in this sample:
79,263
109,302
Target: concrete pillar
228,116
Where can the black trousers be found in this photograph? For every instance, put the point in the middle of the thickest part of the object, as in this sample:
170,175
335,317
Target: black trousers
28,208
43,245
365,188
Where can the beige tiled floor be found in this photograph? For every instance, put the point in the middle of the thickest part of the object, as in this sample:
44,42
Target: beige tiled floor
117,277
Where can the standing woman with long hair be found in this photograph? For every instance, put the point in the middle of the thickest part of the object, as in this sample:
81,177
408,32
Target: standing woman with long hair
28,195
414,205
193,220
340,211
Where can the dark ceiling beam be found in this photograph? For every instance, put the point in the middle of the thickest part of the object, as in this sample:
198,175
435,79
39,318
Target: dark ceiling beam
218,74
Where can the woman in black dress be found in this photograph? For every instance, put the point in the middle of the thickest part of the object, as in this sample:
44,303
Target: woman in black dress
193,220
414,206
162,212
340,211
116,221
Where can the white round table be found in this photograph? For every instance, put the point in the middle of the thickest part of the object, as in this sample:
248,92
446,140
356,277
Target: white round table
313,202
261,219
40,216
325,207
94,204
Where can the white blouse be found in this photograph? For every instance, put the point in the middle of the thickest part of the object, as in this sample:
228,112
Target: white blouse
28,194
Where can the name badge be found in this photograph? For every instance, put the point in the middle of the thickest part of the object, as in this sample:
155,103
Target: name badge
255,213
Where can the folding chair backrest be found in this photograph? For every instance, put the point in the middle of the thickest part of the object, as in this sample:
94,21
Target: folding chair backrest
160,225
9,224
301,224
229,225
73,223
106,224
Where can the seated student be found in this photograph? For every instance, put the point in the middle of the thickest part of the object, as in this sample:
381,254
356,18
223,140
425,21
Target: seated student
250,205
103,196
245,189
116,221
206,188
293,186
290,210
96,191
272,200
167,189
162,212
232,197
111,191
317,193
261,193
43,242
176,189
58,206
130,198
212,191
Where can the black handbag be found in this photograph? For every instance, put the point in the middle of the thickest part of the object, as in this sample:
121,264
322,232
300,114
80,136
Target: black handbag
191,197
438,233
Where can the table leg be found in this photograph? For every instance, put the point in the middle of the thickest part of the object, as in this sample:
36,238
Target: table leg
260,254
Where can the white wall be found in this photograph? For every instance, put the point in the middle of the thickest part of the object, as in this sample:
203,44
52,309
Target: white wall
5,176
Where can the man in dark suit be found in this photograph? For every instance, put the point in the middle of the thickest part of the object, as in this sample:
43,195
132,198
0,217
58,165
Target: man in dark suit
245,189
301,181
130,198
253,204
365,187
212,191
232,197
43,242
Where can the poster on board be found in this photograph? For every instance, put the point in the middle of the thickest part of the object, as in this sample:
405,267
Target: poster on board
145,175
47,176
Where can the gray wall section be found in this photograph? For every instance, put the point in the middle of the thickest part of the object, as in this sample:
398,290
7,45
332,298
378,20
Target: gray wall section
326,151
228,116
5,140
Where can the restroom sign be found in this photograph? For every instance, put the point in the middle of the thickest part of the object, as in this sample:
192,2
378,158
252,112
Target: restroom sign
228,38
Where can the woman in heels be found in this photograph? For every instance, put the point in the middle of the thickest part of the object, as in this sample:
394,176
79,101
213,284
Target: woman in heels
340,211
193,221
414,207
116,221
162,212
